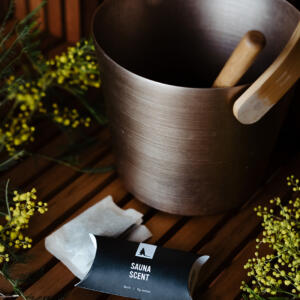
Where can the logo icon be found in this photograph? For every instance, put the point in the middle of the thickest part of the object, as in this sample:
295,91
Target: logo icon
145,250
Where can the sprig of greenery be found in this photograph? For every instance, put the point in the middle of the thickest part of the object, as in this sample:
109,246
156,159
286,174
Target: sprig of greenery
20,207
37,91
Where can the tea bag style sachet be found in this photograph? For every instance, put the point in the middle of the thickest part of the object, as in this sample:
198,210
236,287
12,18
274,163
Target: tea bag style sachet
94,249
73,245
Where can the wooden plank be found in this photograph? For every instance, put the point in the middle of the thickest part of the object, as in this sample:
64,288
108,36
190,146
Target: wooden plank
49,285
55,18
31,166
72,20
227,285
20,9
80,294
39,257
54,182
41,15
160,224
194,231
26,170
71,197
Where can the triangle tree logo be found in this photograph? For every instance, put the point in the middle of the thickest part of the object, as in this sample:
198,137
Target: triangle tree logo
145,250
143,253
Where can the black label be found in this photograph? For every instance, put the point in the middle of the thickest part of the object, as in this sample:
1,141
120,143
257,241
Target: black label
139,270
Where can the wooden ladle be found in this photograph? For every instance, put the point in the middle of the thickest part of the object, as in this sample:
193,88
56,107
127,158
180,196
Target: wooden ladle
241,59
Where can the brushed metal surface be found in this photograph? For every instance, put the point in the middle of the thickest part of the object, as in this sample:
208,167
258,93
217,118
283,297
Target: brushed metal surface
178,146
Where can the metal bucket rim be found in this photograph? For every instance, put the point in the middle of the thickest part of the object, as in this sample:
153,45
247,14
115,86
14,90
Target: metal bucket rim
151,81
158,83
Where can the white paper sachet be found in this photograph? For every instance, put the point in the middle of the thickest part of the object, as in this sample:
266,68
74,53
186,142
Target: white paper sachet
72,245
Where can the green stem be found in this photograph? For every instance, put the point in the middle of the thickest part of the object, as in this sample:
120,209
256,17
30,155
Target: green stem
11,63
6,198
100,120
5,164
69,165
14,285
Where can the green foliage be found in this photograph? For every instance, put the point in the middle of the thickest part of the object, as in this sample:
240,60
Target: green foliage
33,87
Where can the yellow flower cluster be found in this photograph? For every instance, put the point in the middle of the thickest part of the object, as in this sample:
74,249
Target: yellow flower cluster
76,67
16,132
27,95
69,117
74,71
278,273
23,207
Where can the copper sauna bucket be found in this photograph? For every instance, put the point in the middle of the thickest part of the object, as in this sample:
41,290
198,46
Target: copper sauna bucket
177,144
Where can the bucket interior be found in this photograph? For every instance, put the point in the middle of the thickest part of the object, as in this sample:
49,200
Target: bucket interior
186,43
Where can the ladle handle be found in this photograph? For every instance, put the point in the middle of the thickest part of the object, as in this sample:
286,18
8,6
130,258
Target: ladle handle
269,88
241,59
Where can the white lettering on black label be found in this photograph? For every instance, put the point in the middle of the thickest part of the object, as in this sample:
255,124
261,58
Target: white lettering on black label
139,271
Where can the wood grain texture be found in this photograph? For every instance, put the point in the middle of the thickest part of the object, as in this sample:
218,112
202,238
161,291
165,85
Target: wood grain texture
20,9
72,20
67,200
270,87
55,18
241,59
233,276
42,13
194,231
49,285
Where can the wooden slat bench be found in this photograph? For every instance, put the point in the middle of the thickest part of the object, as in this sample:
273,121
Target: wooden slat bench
228,238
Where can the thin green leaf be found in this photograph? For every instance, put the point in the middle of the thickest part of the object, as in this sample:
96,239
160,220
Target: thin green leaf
33,13
6,198
99,117
7,36
73,166
7,16
257,297
76,148
100,170
13,46
11,160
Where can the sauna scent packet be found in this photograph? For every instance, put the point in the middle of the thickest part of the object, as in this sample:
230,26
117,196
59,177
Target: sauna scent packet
142,271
